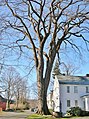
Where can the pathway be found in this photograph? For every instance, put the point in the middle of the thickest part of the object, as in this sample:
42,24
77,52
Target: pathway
15,115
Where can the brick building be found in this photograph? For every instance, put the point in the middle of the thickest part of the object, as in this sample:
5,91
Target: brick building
3,102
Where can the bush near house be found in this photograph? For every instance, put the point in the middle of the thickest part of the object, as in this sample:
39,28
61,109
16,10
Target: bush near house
85,113
77,111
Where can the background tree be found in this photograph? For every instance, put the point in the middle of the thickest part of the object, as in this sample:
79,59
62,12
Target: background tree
8,81
13,86
20,91
34,90
43,27
69,68
56,69
17,89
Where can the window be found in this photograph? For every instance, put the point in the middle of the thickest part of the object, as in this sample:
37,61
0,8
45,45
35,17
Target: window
76,103
75,89
87,89
68,103
68,89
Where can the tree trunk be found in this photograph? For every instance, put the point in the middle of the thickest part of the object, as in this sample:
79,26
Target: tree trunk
42,93
43,83
17,103
42,100
8,104
8,98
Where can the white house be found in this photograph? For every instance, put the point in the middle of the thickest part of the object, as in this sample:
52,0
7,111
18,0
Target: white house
70,91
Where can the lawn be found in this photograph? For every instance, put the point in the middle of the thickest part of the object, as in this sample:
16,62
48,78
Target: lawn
35,116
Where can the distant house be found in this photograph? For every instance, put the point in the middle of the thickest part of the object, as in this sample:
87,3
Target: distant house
69,91
3,102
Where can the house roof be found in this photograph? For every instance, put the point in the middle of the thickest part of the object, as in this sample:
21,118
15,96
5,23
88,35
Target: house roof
76,80
2,99
5,100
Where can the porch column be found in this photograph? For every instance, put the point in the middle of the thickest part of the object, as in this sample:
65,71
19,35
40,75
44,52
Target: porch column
87,104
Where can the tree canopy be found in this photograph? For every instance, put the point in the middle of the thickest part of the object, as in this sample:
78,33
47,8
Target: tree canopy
38,29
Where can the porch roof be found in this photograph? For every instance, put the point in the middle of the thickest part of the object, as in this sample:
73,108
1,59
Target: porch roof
84,96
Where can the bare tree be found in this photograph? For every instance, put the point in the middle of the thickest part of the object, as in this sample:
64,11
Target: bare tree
14,86
20,91
23,91
34,90
56,69
17,89
8,81
43,26
69,68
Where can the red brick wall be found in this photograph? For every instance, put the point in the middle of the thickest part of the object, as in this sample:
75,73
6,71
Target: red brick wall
3,105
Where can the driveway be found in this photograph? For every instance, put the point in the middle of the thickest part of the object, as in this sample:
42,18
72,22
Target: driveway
15,115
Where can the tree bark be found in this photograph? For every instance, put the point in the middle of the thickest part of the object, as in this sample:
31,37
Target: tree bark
42,99
8,104
43,83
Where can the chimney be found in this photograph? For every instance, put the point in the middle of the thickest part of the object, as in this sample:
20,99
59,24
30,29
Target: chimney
87,75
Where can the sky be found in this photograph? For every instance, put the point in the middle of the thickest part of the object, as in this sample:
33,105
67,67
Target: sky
80,61
23,64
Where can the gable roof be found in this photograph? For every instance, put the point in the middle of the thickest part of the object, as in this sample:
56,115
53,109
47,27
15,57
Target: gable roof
5,100
76,80
2,99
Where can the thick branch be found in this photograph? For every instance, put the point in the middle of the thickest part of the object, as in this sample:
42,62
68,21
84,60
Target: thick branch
28,34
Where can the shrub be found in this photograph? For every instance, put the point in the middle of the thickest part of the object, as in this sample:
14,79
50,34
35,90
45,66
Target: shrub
75,111
85,113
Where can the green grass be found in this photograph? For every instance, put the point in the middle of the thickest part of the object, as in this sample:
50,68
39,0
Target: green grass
36,116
